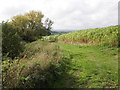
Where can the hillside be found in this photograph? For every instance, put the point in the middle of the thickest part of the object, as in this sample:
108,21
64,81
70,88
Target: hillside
107,36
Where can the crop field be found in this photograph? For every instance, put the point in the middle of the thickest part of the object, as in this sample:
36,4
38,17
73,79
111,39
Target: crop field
107,36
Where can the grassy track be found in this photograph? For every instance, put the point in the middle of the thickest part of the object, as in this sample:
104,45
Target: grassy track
61,65
89,66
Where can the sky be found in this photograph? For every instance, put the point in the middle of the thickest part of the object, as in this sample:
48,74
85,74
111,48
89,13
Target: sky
66,14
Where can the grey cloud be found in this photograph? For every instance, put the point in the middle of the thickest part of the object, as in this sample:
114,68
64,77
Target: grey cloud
12,11
71,14
103,16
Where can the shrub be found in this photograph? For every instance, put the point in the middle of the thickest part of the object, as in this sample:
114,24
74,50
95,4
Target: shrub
38,69
11,43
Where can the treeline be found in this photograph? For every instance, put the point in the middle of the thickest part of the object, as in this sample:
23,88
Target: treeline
22,29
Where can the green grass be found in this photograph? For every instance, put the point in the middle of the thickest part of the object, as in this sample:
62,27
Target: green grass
60,65
95,63
89,66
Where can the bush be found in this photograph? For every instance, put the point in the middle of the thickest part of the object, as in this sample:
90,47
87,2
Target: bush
38,69
29,35
11,43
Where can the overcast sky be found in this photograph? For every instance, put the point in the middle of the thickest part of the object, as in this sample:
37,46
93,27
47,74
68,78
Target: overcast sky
66,14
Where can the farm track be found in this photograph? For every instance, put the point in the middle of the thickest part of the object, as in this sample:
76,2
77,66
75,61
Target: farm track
89,66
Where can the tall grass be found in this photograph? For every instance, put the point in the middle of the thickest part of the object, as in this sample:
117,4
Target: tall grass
35,69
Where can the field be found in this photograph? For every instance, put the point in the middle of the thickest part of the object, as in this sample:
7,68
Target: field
75,67
90,66
107,36
92,57
80,59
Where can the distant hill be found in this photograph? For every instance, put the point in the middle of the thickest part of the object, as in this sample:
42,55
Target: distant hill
60,32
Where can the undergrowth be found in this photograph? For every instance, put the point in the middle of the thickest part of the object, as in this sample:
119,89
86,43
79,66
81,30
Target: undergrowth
37,67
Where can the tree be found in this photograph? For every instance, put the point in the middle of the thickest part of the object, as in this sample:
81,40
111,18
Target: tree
31,24
35,20
11,41
48,24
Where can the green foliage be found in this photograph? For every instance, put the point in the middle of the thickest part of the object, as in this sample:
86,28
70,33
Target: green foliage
37,68
11,41
52,38
0,41
30,35
30,26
